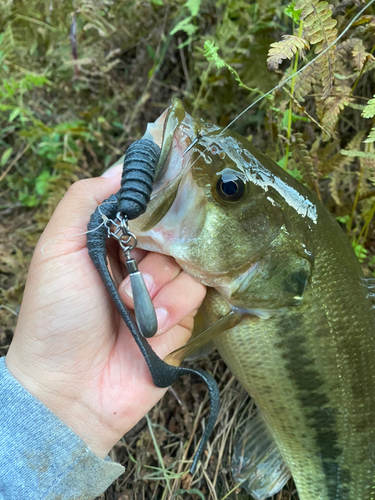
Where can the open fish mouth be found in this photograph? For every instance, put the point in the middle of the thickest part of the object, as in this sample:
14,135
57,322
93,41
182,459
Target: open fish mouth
173,132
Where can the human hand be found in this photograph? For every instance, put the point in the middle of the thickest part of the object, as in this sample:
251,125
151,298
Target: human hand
71,349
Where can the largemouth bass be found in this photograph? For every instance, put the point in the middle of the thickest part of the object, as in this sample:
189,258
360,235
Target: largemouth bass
289,309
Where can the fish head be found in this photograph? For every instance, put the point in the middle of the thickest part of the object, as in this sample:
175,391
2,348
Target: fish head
216,205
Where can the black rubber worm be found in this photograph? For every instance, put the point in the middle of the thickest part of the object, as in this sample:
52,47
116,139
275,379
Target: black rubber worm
132,200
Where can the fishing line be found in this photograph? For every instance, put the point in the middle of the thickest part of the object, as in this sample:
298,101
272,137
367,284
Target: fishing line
60,237
281,84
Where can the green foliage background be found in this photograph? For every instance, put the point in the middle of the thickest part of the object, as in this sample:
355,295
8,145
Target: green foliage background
80,79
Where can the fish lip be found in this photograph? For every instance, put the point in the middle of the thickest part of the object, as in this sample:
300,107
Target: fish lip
154,130
173,131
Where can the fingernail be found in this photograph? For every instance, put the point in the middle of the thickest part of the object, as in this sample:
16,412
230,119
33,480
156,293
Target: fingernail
113,171
127,287
162,316
147,278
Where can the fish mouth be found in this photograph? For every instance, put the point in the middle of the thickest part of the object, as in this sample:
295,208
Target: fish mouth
173,132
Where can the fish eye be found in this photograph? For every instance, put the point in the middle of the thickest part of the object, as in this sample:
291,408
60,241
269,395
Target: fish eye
231,190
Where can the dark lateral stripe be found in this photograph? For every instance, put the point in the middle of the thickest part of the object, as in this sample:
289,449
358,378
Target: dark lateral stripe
315,403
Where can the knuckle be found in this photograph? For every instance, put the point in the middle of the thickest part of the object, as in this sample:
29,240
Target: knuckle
79,187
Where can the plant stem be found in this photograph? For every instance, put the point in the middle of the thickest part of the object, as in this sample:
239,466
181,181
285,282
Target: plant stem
289,131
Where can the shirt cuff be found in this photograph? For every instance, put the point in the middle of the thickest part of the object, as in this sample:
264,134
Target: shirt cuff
40,456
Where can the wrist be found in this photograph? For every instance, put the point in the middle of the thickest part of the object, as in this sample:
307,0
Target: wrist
98,436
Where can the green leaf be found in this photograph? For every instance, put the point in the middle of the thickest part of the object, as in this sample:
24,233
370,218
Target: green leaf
42,182
5,156
295,173
151,51
193,6
295,118
343,218
118,125
281,162
185,25
294,14
360,251
27,199
193,491
14,114
157,2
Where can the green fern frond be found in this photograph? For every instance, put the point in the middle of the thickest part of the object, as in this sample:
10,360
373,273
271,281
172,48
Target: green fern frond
369,111
285,49
371,136
357,154
211,54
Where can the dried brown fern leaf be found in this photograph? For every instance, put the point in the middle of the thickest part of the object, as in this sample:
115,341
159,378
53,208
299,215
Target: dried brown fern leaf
304,81
302,110
329,110
354,51
368,175
285,49
304,161
366,19
14,46
339,165
319,30
328,156
92,12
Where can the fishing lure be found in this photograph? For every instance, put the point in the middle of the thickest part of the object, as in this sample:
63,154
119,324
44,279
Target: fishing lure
131,201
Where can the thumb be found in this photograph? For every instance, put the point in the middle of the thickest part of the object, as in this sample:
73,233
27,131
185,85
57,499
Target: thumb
66,231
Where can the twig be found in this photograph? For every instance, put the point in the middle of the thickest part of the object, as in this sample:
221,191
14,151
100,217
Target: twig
73,42
184,66
6,171
8,309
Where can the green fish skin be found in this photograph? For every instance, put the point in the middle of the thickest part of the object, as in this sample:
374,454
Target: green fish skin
304,347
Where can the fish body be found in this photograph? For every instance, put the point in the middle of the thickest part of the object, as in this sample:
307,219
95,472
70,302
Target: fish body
304,345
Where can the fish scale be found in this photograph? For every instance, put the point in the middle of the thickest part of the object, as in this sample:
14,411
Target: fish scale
311,372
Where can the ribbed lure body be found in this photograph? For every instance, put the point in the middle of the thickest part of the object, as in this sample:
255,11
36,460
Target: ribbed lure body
137,178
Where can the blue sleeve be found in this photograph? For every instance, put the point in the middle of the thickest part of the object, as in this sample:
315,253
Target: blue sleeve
41,458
